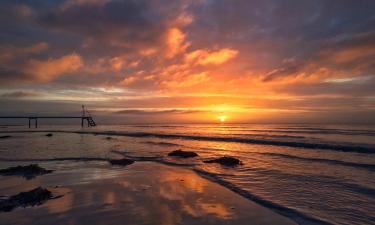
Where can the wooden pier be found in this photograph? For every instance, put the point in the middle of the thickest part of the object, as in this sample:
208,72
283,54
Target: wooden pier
85,117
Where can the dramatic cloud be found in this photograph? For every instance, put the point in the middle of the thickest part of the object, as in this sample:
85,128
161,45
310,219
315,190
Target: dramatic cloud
259,59
175,42
49,69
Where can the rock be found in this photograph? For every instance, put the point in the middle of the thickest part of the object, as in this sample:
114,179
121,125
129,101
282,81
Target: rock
27,172
49,135
109,138
225,161
5,136
34,197
183,154
121,162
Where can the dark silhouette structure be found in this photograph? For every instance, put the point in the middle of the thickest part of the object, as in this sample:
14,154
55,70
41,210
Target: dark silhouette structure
85,117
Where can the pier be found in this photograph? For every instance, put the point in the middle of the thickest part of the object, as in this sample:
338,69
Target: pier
85,117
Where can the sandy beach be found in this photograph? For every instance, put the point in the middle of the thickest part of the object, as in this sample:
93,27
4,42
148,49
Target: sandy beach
141,193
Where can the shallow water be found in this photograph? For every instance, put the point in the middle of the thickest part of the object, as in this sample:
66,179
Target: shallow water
144,193
308,173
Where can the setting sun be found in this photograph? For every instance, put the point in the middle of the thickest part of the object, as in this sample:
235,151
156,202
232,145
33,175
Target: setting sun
222,118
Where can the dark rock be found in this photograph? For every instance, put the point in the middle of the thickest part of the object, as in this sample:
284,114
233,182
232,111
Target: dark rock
122,162
34,197
182,154
5,136
49,135
225,161
27,172
109,138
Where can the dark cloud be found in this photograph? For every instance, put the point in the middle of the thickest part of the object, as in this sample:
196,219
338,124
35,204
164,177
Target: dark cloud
20,94
157,112
112,21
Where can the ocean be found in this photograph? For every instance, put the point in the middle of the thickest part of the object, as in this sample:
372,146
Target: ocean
317,174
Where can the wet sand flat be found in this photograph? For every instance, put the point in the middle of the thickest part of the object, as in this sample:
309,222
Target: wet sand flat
141,193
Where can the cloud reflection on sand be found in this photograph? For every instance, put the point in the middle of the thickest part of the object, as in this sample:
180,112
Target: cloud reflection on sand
143,193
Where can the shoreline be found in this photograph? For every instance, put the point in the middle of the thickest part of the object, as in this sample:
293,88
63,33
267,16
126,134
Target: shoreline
124,193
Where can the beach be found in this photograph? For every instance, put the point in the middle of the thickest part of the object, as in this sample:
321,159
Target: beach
287,175
142,193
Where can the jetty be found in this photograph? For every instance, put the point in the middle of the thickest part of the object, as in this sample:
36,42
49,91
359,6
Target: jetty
86,116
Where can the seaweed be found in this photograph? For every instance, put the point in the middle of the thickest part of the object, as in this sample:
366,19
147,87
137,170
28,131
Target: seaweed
121,162
183,154
225,161
28,172
5,136
34,197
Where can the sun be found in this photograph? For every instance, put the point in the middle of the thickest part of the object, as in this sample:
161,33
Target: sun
222,118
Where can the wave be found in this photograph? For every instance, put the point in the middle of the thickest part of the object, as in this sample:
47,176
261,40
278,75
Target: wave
305,145
326,129
314,131
86,159
272,136
161,143
293,214
316,179
370,167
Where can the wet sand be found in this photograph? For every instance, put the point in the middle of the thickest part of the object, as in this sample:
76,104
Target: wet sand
141,193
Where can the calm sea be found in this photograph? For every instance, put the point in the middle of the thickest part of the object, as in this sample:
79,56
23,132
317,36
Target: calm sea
311,173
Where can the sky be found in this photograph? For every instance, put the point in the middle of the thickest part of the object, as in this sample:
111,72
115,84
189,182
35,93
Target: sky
190,61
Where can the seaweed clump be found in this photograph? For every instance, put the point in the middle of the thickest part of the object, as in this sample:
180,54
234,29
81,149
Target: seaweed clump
34,197
183,154
225,161
28,172
5,136
121,162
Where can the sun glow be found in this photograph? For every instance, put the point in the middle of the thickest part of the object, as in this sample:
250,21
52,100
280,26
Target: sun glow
222,118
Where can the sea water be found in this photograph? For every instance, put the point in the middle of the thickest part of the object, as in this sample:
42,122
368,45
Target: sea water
310,173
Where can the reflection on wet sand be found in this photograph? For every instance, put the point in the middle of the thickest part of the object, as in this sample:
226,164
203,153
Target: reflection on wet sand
143,193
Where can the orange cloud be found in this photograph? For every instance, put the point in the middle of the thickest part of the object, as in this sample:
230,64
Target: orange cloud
116,63
52,68
129,80
350,54
204,57
175,42
188,81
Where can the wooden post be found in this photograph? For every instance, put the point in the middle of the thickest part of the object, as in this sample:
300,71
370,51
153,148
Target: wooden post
29,122
36,122
82,122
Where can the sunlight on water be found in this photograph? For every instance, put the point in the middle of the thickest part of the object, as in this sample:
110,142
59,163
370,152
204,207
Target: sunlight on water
319,171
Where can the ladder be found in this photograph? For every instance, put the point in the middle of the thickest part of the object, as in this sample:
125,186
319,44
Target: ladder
91,122
86,115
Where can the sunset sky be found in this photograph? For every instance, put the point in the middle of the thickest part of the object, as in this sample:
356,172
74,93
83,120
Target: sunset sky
188,61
